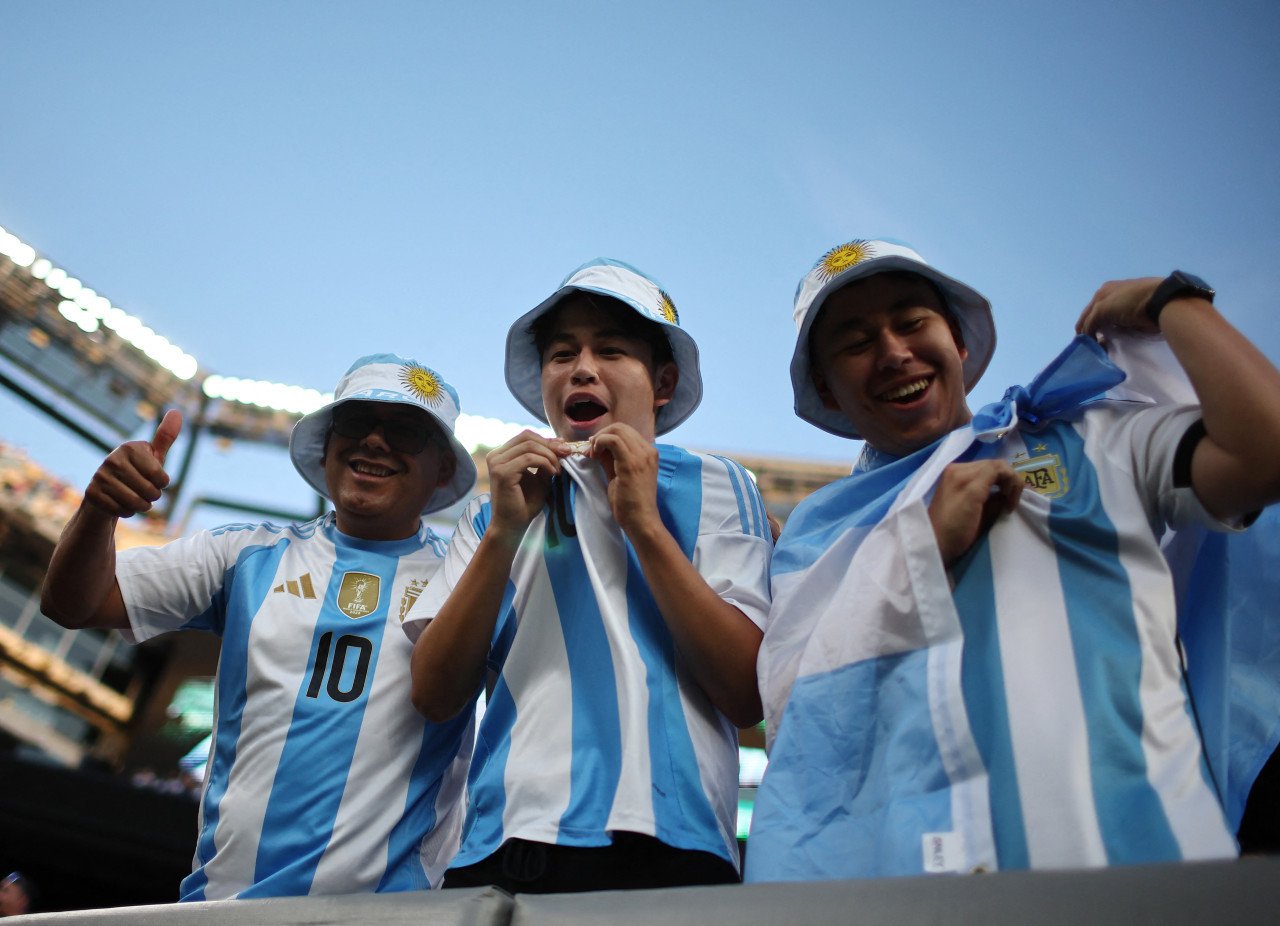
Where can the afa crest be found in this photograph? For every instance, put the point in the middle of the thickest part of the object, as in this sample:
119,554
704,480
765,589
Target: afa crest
359,594
411,593
1043,474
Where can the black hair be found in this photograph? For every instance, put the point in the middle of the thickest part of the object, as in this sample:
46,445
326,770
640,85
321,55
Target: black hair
543,328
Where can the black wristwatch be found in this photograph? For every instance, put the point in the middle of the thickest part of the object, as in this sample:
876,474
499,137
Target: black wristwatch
1176,285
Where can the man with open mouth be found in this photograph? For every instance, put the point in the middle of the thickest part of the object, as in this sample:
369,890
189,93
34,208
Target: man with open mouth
972,659
617,588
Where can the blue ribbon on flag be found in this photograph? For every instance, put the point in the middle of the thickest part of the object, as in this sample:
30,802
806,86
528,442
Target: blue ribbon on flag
1077,377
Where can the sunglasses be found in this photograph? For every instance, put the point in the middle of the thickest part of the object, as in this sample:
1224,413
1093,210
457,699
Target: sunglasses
403,435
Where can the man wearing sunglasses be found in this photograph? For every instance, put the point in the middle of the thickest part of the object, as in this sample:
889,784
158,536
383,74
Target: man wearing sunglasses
322,778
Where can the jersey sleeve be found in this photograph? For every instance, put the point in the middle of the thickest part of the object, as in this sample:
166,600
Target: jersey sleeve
466,538
734,544
179,585
1146,443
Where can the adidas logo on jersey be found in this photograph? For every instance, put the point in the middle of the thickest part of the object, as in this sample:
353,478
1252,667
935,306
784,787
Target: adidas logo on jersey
299,588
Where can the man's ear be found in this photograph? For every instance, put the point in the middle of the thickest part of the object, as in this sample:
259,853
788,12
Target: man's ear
664,383
448,466
823,390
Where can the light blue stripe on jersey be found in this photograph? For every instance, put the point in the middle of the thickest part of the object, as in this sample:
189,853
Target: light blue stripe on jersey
317,748
256,567
682,815
1108,657
483,830
982,682
750,506
597,735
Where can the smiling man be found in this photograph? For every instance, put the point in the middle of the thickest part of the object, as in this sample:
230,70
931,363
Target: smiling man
618,589
322,779
972,659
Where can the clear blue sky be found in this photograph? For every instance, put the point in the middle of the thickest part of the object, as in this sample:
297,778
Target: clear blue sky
280,187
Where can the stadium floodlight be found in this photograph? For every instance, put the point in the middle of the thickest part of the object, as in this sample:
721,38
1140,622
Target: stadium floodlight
79,316
114,317
185,367
70,288
55,278
40,269
12,247
127,327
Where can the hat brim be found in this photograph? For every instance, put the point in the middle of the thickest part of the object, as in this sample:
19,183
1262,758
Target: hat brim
971,309
306,450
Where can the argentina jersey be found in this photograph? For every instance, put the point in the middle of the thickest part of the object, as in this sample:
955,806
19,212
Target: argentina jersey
322,778
1033,716
1069,622
595,726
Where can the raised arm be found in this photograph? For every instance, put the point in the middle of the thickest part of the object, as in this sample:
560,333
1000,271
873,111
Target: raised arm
1236,467
719,643
449,657
80,588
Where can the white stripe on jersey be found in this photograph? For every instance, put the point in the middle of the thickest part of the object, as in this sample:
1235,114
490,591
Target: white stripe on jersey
540,757
273,657
1040,680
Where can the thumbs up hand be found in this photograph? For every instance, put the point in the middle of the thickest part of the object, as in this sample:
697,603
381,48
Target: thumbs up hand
132,476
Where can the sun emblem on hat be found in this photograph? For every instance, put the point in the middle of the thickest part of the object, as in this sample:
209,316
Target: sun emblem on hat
844,256
668,308
423,383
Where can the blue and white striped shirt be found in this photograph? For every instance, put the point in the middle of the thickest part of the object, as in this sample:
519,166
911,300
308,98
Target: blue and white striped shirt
595,725
1032,717
322,778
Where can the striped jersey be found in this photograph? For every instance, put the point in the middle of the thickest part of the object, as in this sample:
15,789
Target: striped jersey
322,778
1033,715
595,725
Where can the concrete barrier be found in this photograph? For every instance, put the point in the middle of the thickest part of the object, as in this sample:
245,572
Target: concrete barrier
1238,893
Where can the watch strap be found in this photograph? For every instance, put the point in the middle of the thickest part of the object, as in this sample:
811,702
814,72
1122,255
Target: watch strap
1173,286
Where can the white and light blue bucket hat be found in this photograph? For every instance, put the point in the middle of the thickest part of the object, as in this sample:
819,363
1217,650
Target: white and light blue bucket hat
386,378
864,257
632,288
